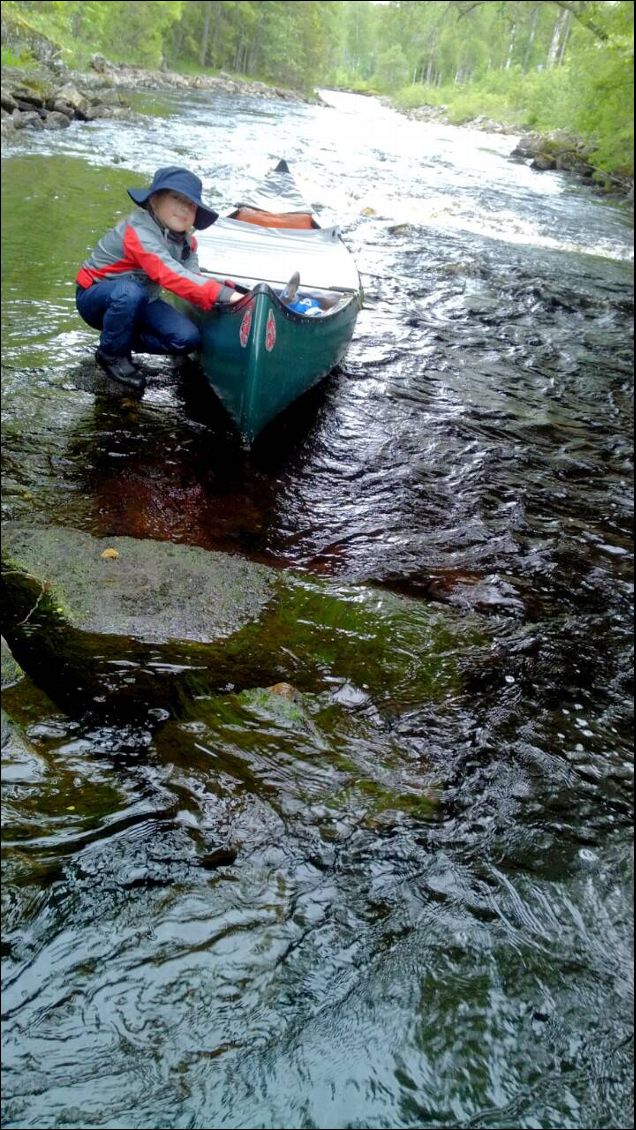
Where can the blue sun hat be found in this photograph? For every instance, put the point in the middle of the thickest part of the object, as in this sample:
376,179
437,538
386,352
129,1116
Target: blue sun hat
177,180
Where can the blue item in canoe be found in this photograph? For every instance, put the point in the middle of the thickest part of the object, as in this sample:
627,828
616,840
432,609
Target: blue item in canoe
307,306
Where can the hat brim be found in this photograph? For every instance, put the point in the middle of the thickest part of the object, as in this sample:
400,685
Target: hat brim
204,218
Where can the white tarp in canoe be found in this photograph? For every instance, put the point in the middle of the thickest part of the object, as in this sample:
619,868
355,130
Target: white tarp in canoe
249,254
278,192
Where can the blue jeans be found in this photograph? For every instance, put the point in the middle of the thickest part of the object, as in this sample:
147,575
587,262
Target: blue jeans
121,310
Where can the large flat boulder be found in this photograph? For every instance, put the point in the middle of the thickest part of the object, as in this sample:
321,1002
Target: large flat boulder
126,623
138,624
152,591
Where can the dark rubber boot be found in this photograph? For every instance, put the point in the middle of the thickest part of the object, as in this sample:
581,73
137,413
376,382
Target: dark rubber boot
122,370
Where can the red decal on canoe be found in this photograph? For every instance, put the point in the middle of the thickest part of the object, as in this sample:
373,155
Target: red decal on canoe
246,326
270,332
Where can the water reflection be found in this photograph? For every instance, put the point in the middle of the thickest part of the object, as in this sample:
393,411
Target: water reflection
171,467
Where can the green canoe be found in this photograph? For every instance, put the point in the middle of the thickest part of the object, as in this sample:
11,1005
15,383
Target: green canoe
262,353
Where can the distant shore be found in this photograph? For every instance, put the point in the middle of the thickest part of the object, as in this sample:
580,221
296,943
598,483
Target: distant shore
52,96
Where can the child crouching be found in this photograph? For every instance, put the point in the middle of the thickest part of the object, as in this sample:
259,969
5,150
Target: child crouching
118,286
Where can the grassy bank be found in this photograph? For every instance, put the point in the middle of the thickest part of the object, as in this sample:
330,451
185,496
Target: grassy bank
595,111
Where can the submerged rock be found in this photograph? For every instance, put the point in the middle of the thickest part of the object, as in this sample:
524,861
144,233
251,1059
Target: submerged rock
152,591
20,762
133,629
306,761
153,623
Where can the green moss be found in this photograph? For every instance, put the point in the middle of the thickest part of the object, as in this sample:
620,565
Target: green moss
381,804
11,670
275,707
62,798
322,765
392,645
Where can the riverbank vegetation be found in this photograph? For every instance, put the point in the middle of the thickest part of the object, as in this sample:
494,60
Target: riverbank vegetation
539,65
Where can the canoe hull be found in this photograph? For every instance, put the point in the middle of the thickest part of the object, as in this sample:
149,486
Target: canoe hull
259,357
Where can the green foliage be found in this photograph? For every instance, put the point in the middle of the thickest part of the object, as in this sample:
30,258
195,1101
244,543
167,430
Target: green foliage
137,29
588,92
603,95
541,100
22,58
342,80
392,68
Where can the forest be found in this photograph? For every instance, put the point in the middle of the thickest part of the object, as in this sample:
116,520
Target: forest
540,64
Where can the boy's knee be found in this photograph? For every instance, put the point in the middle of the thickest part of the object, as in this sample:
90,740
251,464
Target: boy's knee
129,291
188,340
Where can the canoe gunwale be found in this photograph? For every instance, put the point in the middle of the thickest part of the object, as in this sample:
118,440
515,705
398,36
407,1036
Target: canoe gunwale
343,303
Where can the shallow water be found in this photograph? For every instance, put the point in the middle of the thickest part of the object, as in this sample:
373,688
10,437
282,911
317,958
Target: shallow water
420,915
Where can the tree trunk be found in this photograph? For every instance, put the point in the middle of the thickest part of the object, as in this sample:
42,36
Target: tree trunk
534,17
560,25
239,57
204,36
511,46
255,44
565,40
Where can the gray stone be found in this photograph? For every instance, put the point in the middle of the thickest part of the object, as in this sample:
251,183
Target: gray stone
30,119
98,63
69,95
60,107
151,591
29,95
56,120
543,163
8,101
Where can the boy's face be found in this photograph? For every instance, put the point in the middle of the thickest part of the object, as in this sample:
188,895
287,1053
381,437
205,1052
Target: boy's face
173,210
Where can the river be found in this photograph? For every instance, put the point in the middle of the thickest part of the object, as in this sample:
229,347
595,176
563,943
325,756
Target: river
423,917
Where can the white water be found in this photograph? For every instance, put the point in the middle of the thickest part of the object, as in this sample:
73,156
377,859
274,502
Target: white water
443,177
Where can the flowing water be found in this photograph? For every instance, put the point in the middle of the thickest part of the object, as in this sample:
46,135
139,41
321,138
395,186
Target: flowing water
415,913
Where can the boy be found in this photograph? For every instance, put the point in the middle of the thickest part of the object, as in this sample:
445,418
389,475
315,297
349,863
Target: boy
118,286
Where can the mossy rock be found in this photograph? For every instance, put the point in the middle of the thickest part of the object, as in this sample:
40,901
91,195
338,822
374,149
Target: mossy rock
151,591
122,617
11,670
312,763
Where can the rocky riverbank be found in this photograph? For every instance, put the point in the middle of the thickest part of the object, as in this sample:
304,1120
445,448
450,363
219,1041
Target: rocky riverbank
566,153
557,150
51,96
47,99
